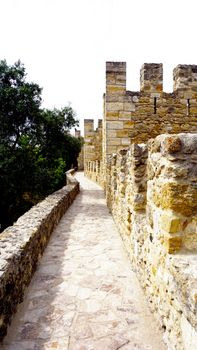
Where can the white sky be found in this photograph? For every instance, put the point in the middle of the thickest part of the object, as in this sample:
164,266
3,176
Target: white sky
64,44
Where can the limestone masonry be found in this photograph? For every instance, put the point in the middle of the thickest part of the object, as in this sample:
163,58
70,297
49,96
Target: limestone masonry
135,117
150,182
22,245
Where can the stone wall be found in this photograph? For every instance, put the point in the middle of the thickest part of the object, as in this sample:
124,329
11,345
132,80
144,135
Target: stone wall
131,116
93,165
136,116
22,245
151,191
151,187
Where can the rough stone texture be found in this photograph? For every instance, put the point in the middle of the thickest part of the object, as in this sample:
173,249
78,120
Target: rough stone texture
151,192
84,295
135,117
151,187
22,245
93,165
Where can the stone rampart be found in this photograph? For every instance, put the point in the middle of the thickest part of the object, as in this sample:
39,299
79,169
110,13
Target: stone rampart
136,116
151,191
22,245
151,187
93,165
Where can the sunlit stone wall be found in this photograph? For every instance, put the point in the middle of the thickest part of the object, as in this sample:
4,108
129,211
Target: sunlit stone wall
151,191
22,245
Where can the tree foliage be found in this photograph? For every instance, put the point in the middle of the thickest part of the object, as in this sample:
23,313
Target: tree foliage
35,145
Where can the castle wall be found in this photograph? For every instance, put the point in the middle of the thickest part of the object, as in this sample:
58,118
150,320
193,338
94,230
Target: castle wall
93,165
150,185
152,194
22,245
137,116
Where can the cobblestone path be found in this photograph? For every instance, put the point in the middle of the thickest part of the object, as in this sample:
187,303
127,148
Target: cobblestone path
84,295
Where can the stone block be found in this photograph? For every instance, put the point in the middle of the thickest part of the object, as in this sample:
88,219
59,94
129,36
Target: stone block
115,89
122,133
114,141
112,115
128,124
126,141
170,223
112,133
111,125
173,244
190,235
172,144
114,106
125,115
129,106
180,197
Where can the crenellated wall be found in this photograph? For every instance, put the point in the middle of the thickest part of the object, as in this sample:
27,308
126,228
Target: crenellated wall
136,116
151,187
131,116
93,165
22,245
152,193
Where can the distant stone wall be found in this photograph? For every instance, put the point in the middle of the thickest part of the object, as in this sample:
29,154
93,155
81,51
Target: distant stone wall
93,165
22,245
151,191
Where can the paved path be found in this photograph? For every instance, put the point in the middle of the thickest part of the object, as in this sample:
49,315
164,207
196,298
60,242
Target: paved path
84,295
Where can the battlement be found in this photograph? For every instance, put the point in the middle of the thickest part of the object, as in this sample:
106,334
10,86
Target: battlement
93,142
131,116
100,123
89,125
185,78
151,77
115,77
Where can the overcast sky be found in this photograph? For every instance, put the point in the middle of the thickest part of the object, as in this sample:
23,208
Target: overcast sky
64,44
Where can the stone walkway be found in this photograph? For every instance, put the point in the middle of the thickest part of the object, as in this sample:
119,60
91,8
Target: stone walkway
84,295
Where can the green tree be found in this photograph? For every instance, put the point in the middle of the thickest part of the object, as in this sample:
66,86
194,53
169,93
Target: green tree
35,145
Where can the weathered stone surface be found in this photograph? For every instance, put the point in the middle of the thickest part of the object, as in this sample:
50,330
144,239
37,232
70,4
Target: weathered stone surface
139,116
152,196
84,294
154,204
180,197
172,144
22,245
170,222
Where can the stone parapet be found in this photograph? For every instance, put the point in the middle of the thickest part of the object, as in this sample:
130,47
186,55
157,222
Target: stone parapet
22,245
152,193
136,116
151,77
185,80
